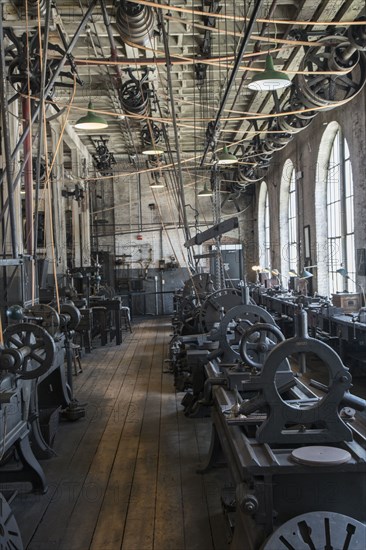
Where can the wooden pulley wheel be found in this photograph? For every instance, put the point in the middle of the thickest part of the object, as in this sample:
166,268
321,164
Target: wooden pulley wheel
35,347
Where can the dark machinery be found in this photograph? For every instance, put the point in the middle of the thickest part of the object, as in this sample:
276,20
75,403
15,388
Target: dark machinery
219,350
199,307
188,301
32,379
135,23
289,451
342,327
59,391
52,389
198,310
28,353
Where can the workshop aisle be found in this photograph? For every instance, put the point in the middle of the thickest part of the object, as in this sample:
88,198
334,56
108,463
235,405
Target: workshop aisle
125,476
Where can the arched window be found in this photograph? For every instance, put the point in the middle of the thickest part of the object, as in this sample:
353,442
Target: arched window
341,245
264,239
334,213
288,220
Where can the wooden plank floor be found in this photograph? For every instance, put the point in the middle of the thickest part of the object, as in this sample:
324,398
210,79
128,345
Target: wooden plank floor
125,476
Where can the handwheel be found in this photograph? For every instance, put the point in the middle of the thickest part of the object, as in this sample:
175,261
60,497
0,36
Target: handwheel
260,345
238,319
318,530
29,348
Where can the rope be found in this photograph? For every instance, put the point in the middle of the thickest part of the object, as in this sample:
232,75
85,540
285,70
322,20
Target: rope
49,195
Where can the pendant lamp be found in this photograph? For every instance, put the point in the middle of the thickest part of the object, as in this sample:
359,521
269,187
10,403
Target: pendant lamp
91,121
305,274
224,157
270,79
153,151
157,184
206,192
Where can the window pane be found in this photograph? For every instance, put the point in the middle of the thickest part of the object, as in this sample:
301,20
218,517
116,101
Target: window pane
292,224
340,220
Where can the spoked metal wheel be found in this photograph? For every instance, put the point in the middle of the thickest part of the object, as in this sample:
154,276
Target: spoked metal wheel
9,531
328,89
29,350
318,531
256,343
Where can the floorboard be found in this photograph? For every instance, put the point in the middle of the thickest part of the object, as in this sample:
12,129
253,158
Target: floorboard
125,476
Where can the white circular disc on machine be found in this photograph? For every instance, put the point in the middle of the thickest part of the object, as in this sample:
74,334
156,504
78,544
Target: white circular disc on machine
320,455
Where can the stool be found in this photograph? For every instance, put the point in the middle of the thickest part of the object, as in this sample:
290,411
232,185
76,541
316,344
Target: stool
126,316
76,361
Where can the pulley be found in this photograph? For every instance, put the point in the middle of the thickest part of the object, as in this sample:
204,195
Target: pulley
29,350
135,23
25,67
335,53
70,316
294,123
134,96
151,137
33,6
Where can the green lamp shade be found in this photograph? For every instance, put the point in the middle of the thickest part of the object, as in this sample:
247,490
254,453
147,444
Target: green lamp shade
224,157
91,121
206,192
270,79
